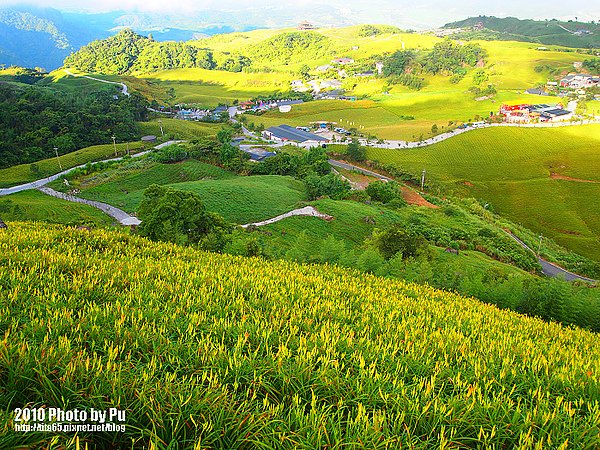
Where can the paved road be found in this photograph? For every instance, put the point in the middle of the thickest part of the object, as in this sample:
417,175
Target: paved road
116,213
42,182
124,89
552,270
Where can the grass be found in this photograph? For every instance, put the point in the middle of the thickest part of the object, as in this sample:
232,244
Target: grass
26,173
35,206
510,168
179,129
238,199
213,351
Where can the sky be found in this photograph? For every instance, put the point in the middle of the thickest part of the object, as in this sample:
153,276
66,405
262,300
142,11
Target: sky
422,13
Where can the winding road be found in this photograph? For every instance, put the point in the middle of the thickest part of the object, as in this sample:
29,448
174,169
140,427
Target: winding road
124,89
306,211
552,270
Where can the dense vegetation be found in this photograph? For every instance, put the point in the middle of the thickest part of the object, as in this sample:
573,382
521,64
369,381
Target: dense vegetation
35,120
445,58
286,48
128,52
274,354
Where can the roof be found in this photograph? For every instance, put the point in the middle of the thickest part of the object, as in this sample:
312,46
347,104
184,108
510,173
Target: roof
293,134
149,138
259,154
556,112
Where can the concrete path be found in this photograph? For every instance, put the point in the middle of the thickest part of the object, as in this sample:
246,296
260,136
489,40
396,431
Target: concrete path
344,165
552,270
124,89
121,216
42,182
306,211
397,144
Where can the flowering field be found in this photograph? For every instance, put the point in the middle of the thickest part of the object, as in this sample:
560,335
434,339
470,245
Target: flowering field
210,351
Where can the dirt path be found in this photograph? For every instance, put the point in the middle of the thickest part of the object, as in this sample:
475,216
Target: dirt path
556,176
414,198
306,211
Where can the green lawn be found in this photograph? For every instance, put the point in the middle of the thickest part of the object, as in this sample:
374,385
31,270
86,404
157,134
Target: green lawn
510,168
35,206
25,173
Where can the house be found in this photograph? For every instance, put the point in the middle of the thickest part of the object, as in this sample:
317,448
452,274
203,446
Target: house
535,91
148,139
3,225
579,81
368,73
343,61
578,64
286,133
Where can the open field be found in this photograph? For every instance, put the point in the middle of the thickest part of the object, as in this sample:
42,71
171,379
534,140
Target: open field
274,354
26,173
511,167
36,206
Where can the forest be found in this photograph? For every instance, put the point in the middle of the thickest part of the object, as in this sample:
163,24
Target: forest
35,120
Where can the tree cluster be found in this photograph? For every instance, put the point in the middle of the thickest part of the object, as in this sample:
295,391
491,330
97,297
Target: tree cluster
34,120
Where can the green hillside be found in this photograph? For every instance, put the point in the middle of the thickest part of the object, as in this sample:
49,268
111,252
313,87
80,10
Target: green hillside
552,32
511,169
217,351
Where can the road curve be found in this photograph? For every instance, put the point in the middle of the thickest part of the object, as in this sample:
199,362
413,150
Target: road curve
552,270
346,166
306,211
115,213
124,89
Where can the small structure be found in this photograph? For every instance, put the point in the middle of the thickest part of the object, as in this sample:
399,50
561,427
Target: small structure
149,139
259,154
306,25
536,91
3,226
379,67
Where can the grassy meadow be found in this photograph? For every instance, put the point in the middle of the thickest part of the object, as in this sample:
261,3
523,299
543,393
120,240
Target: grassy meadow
238,199
511,169
214,351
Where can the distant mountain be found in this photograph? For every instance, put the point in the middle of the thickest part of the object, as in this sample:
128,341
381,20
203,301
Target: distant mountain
549,32
44,37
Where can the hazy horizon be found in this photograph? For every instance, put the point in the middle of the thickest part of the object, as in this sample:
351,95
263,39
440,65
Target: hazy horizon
402,13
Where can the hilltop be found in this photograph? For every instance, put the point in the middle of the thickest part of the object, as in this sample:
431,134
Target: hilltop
221,351
551,32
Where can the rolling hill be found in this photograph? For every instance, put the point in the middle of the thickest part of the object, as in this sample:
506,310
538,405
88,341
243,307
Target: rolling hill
551,32
274,353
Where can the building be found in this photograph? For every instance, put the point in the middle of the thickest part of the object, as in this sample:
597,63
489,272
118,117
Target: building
286,133
306,25
579,81
535,91
379,67
556,115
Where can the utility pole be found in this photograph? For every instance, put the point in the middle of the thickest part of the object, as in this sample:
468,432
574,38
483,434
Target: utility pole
423,181
539,246
161,129
115,144
58,158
